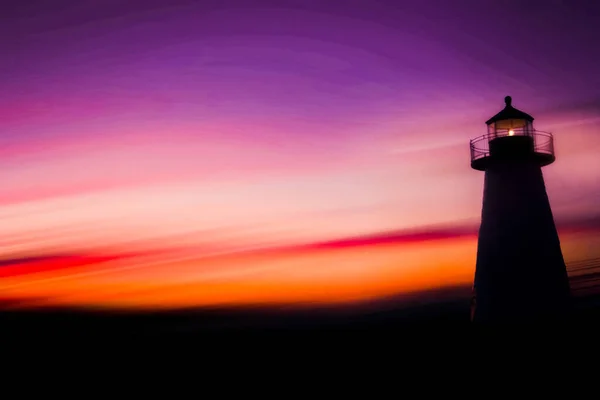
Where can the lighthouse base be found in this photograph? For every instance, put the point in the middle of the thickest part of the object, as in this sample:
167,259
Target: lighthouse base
520,272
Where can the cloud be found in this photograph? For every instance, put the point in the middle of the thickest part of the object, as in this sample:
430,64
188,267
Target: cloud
422,234
44,263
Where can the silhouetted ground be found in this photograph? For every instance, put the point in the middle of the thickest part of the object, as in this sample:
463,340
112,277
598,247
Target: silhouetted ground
441,310
448,307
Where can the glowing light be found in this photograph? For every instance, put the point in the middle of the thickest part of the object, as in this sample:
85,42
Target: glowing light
511,132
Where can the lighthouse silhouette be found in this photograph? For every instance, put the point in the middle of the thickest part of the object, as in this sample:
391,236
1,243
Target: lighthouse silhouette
520,272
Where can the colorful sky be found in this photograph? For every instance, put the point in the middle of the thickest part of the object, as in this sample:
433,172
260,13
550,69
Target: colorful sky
189,153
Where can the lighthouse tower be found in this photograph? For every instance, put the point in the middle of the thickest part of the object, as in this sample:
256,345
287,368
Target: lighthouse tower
520,273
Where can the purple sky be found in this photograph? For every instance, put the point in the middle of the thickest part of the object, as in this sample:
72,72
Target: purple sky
284,111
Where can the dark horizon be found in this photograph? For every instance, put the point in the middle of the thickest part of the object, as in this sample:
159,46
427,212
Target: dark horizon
447,308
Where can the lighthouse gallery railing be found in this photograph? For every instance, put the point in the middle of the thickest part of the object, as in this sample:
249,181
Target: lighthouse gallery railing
543,142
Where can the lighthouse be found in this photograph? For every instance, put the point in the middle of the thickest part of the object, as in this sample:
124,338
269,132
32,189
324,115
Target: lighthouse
520,273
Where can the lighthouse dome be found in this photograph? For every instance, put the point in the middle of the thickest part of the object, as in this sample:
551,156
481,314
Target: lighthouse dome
510,119
510,113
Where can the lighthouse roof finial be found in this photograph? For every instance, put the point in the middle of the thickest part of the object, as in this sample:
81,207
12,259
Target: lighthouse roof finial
509,112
